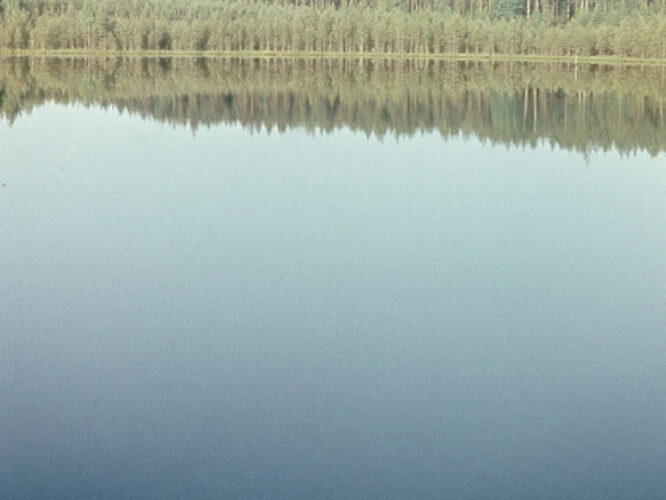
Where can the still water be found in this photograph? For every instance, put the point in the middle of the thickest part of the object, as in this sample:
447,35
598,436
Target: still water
192,306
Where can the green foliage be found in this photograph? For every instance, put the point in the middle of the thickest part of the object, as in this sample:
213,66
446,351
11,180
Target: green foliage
507,9
516,27
88,16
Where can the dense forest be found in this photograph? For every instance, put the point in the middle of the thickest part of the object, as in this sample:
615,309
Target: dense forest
574,28
583,108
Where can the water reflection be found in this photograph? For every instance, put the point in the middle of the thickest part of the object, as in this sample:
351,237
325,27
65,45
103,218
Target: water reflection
250,315
582,108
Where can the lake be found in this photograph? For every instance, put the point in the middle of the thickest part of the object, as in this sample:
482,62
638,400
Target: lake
256,278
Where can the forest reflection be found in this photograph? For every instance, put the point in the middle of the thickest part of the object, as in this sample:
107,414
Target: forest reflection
582,108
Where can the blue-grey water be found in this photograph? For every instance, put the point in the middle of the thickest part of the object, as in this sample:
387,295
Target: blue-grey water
236,314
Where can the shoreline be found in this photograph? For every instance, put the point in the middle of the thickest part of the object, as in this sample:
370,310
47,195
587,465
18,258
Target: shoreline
463,57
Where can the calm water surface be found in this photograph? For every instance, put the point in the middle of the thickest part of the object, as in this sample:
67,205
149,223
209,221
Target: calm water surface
234,313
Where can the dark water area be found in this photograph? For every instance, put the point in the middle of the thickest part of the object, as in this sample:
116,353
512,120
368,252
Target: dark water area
229,286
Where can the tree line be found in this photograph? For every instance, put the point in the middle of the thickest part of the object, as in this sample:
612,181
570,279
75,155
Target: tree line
582,108
626,28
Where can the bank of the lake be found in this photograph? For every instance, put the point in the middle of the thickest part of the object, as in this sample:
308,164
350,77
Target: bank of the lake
252,54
